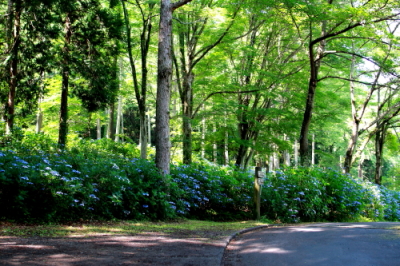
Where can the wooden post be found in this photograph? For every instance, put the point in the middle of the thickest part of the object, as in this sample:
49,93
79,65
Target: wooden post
258,181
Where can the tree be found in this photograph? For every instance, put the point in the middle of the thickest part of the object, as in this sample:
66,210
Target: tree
334,20
191,48
141,87
263,68
164,75
26,50
87,55
375,87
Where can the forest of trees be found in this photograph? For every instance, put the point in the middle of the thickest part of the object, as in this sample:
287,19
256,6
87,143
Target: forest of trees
255,82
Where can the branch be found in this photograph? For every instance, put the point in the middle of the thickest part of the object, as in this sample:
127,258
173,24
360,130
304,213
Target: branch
387,116
179,4
208,48
219,92
381,66
350,27
347,79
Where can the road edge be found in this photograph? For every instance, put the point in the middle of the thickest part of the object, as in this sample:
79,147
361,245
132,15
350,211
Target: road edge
238,233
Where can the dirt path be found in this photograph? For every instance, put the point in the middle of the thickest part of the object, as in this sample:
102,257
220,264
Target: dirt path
143,249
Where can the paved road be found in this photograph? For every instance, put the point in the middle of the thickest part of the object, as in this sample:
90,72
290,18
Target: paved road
331,244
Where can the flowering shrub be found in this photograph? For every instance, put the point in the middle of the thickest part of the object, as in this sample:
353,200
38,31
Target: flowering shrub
313,194
95,180
212,192
71,185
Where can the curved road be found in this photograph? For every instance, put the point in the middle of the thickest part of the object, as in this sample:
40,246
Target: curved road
330,244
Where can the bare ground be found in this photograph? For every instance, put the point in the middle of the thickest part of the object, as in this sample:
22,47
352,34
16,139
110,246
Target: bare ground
178,249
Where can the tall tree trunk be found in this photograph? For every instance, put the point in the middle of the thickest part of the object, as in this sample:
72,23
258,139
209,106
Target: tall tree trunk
355,124
13,28
187,105
39,121
296,153
140,90
215,146
63,130
379,141
119,120
226,148
143,134
163,146
315,58
360,169
98,128
149,128
190,55
203,136
111,120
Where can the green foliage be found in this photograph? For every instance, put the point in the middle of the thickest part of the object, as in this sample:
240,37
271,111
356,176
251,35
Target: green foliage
86,183
105,180
313,194
212,192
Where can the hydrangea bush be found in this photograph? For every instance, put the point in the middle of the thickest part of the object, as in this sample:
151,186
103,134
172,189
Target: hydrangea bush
314,194
99,180
212,192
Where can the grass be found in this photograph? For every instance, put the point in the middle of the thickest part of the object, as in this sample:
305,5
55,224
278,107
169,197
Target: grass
181,228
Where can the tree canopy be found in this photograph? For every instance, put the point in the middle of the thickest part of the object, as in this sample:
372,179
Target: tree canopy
243,83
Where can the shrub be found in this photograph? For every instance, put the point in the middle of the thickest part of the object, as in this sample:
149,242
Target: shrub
103,180
71,185
314,194
212,192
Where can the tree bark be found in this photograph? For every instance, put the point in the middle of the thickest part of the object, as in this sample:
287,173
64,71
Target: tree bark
315,62
98,128
111,120
13,36
39,121
163,146
187,105
379,141
140,90
164,75
119,120
355,125
63,130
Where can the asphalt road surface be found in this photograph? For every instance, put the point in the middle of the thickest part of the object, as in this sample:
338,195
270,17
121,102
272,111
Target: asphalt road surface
331,244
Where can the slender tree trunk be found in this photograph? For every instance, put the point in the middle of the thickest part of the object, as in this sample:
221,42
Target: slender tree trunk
143,134
13,28
149,129
226,148
249,158
296,153
315,62
39,121
203,136
215,146
63,130
140,90
286,154
360,169
111,120
122,128
379,141
187,105
119,120
348,161
98,128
